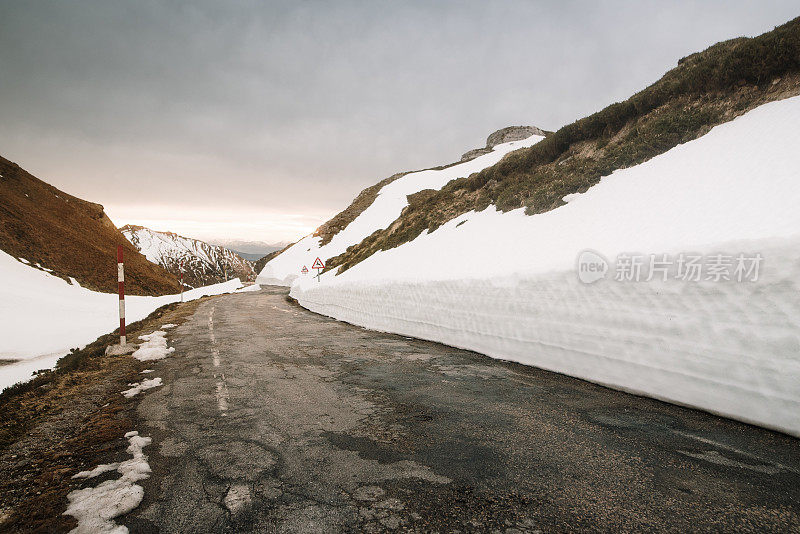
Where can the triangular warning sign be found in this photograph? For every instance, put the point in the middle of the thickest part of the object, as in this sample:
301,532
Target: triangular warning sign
318,264
304,270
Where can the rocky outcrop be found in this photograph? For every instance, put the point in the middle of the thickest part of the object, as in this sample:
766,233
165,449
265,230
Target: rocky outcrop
512,133
474,153
504,135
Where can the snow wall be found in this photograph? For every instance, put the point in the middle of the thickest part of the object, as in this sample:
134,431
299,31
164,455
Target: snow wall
506,285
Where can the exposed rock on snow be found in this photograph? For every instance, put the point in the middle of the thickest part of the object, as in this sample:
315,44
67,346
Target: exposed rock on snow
504,135
513,133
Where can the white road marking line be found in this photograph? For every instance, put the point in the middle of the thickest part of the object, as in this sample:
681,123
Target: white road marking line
222,396
221,390
211,325
716,458
708,455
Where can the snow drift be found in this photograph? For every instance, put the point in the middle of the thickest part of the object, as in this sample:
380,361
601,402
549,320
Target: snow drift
42,316
506,284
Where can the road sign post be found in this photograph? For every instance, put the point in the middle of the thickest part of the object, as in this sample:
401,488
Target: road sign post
304,270
318,265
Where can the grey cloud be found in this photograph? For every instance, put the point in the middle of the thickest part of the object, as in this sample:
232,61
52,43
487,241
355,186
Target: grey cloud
303,104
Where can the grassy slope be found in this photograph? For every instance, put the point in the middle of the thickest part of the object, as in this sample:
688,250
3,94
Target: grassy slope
71,236
704,90
364,200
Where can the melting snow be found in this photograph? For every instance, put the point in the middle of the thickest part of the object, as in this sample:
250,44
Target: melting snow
252,287
99,470
154,347
95,508
141,386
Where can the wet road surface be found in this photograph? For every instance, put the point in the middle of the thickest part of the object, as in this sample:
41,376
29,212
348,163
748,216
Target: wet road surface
275,419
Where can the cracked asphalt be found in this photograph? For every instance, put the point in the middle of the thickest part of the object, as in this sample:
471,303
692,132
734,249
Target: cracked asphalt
275,419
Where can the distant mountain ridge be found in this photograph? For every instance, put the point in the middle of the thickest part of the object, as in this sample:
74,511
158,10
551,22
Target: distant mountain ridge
249,248
70,237
248,255
202,263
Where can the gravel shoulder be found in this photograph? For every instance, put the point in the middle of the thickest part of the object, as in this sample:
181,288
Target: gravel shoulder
67,421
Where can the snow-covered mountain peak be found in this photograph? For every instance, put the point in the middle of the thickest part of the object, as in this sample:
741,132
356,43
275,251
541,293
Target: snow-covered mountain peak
201,263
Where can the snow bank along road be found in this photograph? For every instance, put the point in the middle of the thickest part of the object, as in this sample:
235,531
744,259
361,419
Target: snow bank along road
274,419
505,284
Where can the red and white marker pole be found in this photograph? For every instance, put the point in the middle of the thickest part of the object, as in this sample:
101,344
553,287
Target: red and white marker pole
181,281
121,282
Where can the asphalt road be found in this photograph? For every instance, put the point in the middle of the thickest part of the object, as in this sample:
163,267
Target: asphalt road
275,419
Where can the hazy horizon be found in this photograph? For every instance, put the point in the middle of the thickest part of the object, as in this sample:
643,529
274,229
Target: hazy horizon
258,121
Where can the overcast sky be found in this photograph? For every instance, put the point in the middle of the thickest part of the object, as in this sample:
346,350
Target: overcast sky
259,120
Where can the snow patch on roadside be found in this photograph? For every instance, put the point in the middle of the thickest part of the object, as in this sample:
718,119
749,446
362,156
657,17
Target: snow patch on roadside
141,386
154,347
252,287
97,471
95,508
168,326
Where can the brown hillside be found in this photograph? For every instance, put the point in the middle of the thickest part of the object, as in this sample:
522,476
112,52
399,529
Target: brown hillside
71,236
